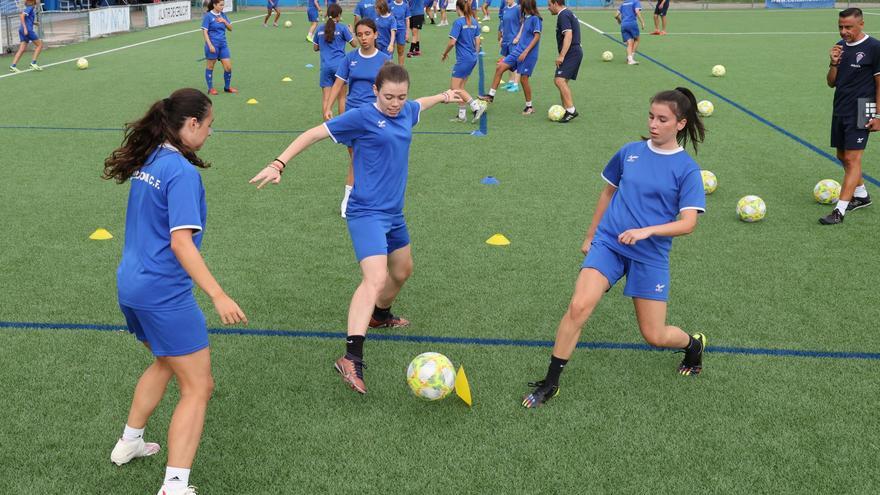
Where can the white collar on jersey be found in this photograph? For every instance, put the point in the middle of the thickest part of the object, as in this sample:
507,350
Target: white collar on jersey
169,146
361,53
860,41
663,152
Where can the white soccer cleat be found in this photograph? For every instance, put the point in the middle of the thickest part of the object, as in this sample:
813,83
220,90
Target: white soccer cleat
126,450
36,67
190,490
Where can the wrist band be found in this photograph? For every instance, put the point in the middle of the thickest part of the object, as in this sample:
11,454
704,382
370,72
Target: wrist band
279,161
279,170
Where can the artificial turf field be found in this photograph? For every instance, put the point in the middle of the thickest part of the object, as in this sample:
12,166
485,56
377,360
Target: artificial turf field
760,419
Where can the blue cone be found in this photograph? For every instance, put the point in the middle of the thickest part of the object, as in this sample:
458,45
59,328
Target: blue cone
489,181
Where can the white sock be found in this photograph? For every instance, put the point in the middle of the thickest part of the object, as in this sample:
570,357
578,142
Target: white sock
861,192
841,205
130,433
528,103
462,112
491,92
570,109
345,196
176,478
474,105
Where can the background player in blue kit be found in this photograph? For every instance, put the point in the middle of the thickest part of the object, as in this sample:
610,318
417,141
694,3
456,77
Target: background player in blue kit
380,135
272,5
486,5
442,5
629,16
400,11
164,226
509,25
386,28
523,55
854,72
214,27
416,22
358,69
654,193
313,11
568,62
430,9
365,9
330,41
465,37
27,34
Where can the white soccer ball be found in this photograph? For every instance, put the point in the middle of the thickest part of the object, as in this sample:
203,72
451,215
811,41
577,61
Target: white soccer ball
485,28
751,208
710,182
288,24
555,113
607,56
705,108
82,64
719,71
431,376
827,191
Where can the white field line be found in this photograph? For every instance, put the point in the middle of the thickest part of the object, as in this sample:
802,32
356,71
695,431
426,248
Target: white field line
122,48
594,28
769,33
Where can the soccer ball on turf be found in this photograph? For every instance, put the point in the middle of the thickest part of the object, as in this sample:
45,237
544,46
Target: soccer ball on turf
710,182
607,56
751,208
288,24
431,376
719,71
485,28
705,108
82,64
827,191
555,113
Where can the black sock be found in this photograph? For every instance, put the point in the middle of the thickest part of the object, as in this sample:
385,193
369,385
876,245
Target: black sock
555,369
694,345
418,46
380,314
354,346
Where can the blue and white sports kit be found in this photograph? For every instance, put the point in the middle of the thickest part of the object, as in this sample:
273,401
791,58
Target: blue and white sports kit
510,22
859,64
155,292
384,26
366,9
271,5
332,53
629,21
381,162
30,15
653,187
400,11
312,11
465,46
217,34
359,73
532,25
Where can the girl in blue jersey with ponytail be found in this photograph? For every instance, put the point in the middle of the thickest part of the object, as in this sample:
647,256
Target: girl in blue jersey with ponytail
654,193
27,34
465,37
164,228
386,28
331,41
214,27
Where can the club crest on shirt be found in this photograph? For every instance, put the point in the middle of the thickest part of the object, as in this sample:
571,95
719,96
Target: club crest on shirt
632,158
860,56
381,124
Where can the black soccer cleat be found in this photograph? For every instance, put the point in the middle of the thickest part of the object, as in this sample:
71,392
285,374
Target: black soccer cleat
856,203
833,218
542,393
568,117
692,364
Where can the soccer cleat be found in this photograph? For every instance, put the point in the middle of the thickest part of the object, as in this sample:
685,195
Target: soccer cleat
126,450
528,110
632,61
692,364
35,66
190,490
662,33
568,117
655,32
390,322
485,18
14,69
487,98
542,393
212,92
833,218
265,25
275,24
417,53
230,90
410,55
856,203
513,88
481,109
458,120
310,38
505,86
352,371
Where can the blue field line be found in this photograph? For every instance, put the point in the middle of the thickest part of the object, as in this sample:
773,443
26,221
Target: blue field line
748,112
429,339
217,131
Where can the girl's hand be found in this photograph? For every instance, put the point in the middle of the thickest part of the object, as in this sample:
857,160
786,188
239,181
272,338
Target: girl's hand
632,236
521,57
269,175
328,114
228,310
211,48
443,57
455,96
585,247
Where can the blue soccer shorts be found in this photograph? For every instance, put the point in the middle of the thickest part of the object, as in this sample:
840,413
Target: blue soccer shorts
629,31
642,281
375,235
463,68
221,53
173,332
31,36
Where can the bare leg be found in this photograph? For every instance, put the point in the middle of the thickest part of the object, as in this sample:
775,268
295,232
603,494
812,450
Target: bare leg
652,323
363,302
193,373
564,92
588,291
527,87
400,268
148,393
21,48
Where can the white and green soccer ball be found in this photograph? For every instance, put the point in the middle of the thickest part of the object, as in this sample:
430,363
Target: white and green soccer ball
827,191
555,113
607,56
431,376
751,208
719,71
288,24
82,64
705,108
485,28
710,182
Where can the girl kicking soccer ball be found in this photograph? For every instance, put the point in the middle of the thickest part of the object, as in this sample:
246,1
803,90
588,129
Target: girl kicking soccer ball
27,34
654,193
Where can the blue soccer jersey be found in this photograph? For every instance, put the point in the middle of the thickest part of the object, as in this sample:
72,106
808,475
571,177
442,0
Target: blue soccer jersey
366,9
532,25
465,38
510,22
384,25
165,195
653,187
628,11
381,156
400,11
30,15
332,52
416,7
215,28
359,72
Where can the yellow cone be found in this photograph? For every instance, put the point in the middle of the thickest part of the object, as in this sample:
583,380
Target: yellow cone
462,387
286,79
498,240
101,235
252,101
